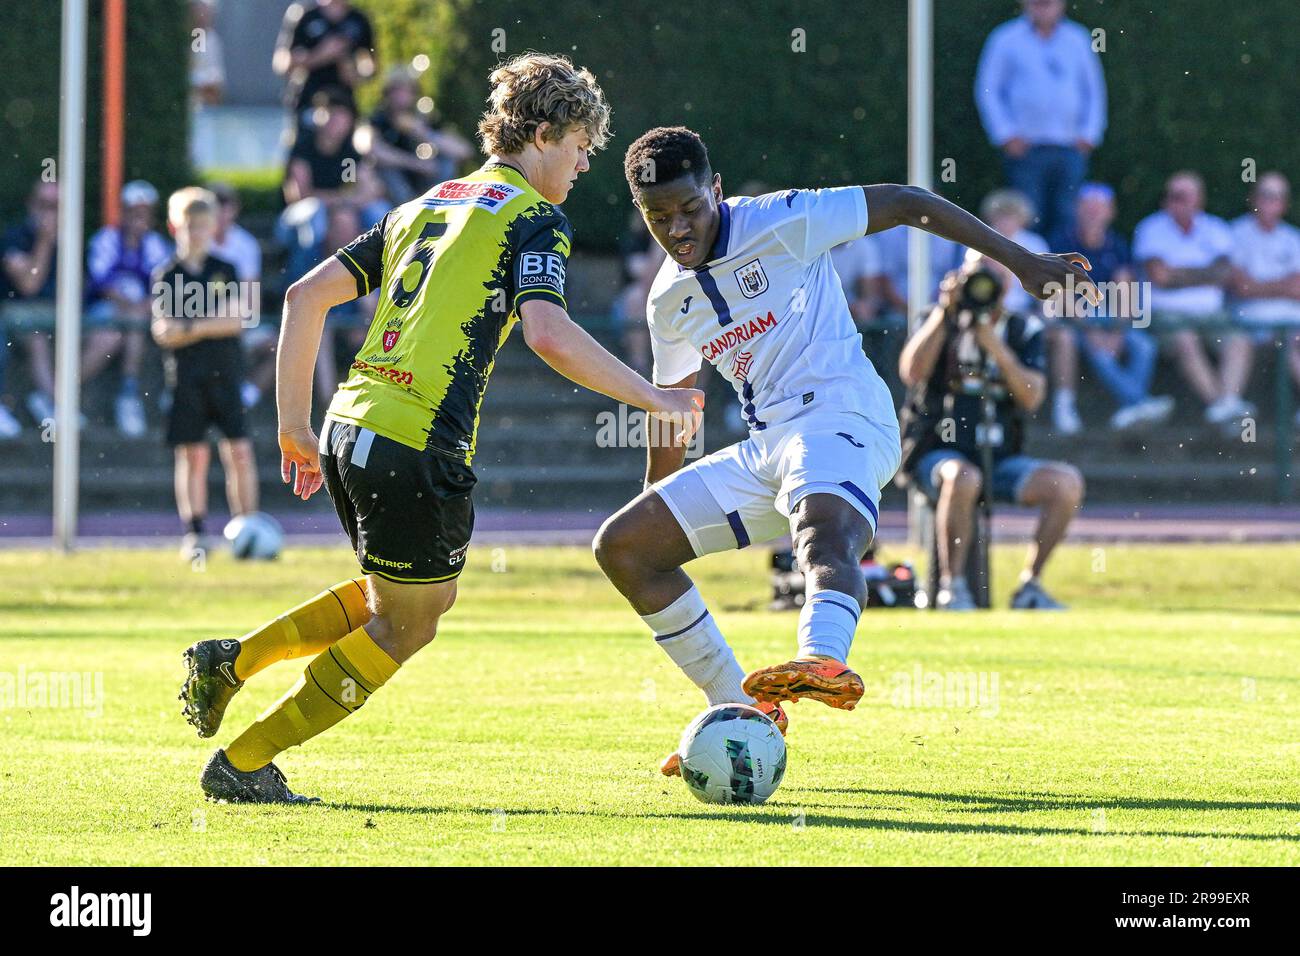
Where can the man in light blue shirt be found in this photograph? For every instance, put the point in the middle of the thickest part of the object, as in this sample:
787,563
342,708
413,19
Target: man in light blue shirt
1042,99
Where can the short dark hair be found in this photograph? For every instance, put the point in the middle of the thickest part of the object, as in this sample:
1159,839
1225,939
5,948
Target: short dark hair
664,154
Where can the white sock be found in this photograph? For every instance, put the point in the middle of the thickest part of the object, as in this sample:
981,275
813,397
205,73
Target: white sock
1065,397
827,623
688,634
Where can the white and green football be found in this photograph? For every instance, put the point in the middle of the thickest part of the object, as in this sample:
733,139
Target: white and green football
732,753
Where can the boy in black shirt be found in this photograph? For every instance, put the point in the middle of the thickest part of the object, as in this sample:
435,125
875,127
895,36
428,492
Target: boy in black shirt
198,320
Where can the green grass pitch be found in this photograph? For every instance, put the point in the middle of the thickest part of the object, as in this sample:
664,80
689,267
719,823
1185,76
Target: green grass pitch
1156,723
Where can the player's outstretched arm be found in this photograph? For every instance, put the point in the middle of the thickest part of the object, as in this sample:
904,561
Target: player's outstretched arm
890,205
664,459
568,348
305,305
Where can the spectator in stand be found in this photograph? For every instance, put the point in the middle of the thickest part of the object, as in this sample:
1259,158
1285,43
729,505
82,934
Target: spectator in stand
323,45
1042,98
324,163
30,251
119,265
1185,253
891,245
948,368
1123,357
857,263
236,245
410,155
1010,213
1265,279
324,169
207,61
346,325
204,371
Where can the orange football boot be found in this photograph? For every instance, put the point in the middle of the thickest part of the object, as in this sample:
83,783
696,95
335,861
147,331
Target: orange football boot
672,765
817,678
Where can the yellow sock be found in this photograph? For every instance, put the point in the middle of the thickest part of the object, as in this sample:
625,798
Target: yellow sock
336,683
308,629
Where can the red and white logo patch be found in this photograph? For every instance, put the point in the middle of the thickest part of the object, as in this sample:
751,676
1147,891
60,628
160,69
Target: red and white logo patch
741,365
390,338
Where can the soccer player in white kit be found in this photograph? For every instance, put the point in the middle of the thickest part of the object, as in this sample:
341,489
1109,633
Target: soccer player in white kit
748,285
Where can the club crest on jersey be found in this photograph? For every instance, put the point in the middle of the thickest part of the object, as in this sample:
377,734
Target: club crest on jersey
391,331
752,279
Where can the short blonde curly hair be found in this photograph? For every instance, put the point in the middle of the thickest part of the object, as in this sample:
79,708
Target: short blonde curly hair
536,88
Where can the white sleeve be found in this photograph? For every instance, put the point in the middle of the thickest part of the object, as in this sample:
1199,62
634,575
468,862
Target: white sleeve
674,357
810,222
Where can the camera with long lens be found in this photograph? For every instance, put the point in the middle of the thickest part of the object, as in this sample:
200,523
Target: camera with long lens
978,298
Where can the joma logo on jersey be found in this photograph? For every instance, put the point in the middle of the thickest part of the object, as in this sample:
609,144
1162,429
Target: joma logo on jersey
752,279
735,336
542,269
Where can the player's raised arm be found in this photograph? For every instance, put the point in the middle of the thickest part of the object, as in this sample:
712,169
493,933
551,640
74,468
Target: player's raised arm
305,304
890,205
569,349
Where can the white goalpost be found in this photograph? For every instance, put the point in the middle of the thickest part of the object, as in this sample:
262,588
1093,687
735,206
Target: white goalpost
920,169
70,174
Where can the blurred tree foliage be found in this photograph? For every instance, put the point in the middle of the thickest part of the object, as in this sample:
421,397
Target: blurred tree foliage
157,118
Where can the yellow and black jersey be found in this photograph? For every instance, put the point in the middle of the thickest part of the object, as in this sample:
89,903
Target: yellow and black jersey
452,269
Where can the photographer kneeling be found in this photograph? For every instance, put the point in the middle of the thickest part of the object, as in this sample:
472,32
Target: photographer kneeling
967,349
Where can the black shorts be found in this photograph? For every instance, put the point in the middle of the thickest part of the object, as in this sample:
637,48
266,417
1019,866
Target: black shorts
203,398
408,513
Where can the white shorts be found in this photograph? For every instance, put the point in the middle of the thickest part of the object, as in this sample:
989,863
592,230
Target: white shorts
745,494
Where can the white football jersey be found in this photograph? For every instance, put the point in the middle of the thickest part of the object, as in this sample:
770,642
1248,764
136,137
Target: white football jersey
768,311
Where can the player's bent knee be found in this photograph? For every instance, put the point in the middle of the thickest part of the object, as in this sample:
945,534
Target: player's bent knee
616,545
607,545
826,550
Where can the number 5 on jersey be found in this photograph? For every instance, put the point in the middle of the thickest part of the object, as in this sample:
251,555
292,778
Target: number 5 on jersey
422,252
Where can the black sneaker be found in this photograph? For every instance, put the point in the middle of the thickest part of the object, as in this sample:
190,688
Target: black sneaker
221,781
210,684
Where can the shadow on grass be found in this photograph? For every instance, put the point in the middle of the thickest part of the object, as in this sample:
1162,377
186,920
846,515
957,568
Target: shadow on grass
1235,610
1001,803
784,815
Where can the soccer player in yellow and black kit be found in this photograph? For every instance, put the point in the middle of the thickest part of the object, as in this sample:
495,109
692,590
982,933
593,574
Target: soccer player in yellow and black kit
455,268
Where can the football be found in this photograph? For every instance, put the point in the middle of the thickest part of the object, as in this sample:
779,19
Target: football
254,535
732,753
